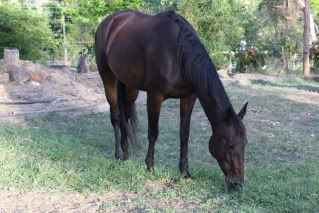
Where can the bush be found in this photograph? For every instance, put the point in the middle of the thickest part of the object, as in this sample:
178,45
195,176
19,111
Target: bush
246,58
249,57
26,30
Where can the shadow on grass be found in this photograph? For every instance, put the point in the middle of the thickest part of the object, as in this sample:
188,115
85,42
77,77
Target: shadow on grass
297,84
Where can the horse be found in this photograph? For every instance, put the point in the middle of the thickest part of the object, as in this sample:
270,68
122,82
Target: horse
162,54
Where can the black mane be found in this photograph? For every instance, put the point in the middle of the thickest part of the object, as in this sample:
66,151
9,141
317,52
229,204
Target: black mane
193,59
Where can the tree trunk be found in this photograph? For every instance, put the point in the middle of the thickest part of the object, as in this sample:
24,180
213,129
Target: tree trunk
84,64
306,62
312,24
11,56
285,60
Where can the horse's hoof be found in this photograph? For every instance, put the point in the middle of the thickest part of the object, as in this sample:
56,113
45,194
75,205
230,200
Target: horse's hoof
150,169
126,157
118,157
186,175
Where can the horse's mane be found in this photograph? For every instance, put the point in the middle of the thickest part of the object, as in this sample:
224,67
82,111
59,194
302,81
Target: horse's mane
194,61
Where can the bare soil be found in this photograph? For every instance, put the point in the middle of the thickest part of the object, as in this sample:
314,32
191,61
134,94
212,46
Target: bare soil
116,201
66,90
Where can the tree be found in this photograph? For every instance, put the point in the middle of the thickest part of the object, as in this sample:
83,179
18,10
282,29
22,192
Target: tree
26,30
306,63
81,17
218,23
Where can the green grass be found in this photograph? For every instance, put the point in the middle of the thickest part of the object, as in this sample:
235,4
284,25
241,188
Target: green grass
76,153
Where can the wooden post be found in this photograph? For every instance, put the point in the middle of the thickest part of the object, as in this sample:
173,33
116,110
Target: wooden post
306,60
11,56
84,64
65,58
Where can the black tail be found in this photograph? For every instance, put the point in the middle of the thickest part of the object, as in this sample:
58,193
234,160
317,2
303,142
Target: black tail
128,117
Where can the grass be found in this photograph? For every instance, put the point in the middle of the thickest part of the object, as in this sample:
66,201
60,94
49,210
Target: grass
76,153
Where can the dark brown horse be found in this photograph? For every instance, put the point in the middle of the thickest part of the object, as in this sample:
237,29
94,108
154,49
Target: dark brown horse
163,56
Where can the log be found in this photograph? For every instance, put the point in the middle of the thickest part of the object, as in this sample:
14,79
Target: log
11,56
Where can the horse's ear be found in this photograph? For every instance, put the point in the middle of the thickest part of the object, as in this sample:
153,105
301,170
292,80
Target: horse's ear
228,115
242,112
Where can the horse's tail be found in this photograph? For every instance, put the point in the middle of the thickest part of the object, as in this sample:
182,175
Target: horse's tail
128,117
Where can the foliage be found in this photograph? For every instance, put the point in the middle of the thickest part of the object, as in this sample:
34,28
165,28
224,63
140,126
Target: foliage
315,7
155,6
221,24
314,52
280,31
316,62
246,57
81,19
26,30
218,24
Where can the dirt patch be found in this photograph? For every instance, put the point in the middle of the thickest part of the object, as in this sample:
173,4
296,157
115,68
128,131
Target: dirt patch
69,91
65,90
60,201
92,202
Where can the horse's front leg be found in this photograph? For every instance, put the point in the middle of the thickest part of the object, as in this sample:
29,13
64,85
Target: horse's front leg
186,108
153,111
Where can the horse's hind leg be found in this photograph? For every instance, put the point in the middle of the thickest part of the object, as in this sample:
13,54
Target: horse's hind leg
131,95
186,108
110,85
153,111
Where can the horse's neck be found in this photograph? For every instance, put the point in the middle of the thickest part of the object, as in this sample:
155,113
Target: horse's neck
210,92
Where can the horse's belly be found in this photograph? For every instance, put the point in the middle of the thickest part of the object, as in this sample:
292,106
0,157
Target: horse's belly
131,79
127,67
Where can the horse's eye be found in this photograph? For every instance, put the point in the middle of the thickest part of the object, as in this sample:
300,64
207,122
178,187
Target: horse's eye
231,146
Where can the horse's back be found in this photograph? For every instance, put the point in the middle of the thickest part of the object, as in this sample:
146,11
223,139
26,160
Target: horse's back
141,49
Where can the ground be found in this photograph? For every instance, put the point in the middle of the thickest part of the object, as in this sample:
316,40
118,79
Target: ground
65,162
65,90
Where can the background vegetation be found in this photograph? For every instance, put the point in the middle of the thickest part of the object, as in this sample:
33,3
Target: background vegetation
258,36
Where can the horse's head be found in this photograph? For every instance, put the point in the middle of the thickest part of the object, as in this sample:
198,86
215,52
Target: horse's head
227,146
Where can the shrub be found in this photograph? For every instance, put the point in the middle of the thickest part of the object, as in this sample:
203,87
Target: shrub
26,30
248,57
